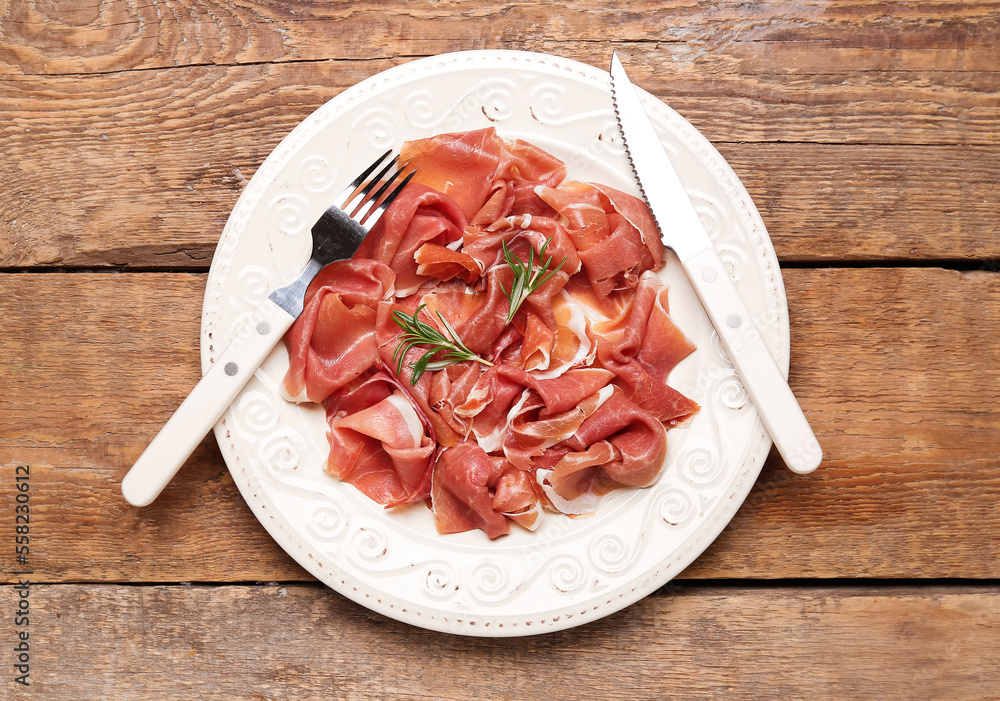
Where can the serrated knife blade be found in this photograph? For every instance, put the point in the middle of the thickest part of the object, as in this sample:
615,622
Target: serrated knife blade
683,232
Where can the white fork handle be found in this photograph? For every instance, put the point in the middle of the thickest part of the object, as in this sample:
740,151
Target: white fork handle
777,407
206,404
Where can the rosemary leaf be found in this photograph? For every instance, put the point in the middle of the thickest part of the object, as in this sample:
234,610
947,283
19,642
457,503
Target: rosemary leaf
444,350
528,277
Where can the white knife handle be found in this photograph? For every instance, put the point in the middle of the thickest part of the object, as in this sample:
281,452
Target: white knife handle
206,403
763,380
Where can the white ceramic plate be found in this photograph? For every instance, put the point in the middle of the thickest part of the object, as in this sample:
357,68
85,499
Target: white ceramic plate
569,571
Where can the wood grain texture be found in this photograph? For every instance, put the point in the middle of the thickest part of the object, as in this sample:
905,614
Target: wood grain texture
887,362
800,38
142,169
111,346
693,642
127,129
904,395
826,204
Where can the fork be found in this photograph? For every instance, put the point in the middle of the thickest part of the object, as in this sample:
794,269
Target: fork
336,235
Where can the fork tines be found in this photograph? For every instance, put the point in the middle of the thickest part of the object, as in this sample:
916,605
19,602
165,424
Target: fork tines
360,202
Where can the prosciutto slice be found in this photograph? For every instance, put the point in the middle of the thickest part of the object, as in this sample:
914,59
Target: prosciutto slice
418,216
489,177
333,340
566,399
615,242
461,495
378,442
637,443
641,346
516,497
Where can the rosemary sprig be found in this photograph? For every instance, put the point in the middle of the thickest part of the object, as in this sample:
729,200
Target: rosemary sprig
448,349
527,277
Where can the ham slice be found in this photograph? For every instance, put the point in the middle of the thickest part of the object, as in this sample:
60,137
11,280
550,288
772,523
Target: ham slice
418,216
641,346
573,400
517,498
333,340
562,393
616,243
460,493
461,166
378,443
479,317
444,263
633,457
484,174
637,214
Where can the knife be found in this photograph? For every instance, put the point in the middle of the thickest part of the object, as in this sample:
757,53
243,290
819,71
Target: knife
682,231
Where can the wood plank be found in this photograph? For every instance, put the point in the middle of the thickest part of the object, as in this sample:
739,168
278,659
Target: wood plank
897,368
139,168
128,130
835,72
823,204
78,408
143,168
305,642
839,105
779,37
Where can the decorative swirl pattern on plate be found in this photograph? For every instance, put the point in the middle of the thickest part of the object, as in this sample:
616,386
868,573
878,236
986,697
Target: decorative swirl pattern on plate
492,98
440,582
370,544
288,213
282,451
675,506
329,521
258,411
317,173
420,108
495,98
732,393
721,383
548,102
567,574
610,553
701,465
253,283
703,460
489,581
377,127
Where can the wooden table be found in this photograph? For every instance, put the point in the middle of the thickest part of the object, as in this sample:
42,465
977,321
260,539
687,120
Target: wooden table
868,135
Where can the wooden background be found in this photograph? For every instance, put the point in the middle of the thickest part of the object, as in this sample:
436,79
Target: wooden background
868,135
